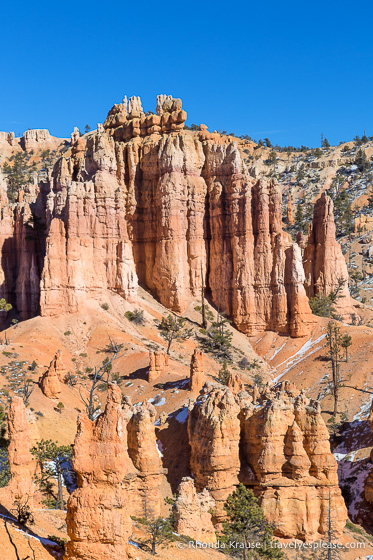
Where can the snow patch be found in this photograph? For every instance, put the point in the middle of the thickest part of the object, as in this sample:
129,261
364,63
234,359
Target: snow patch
182,416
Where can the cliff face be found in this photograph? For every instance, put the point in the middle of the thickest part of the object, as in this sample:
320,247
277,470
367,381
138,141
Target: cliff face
142,200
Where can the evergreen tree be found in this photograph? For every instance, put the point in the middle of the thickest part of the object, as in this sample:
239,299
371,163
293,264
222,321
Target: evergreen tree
223,374
362,161
51,458
346,343
218,339
173,328
247,534
159,530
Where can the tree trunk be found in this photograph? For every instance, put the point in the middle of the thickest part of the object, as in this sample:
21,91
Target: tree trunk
59,493
153,547
346,354
169,346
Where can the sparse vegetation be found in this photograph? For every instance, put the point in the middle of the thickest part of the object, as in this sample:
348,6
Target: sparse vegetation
173,329
218,339
160,532
53,460
136,316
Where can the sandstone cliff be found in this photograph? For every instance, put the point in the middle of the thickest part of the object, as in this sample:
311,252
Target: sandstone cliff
150,486
142,200
214,435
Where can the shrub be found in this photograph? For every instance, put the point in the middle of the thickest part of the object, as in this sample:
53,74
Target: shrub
136,316
105,306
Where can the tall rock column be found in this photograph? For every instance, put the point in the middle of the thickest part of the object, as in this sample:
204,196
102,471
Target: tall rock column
323,261
214,435
192,512
21,462
98,521
197,372
150,486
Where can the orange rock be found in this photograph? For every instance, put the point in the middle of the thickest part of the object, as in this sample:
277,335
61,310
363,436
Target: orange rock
285,445
214,435
235,383
197,372
150,486
98,521
289,212
323,261
49,383
192,512
21,463
158,365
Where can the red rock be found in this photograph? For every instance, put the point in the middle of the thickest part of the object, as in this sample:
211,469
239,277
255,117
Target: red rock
49,383
234,383
214,435
150,487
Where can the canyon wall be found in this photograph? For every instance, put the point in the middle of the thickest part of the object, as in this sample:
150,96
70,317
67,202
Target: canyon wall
142,200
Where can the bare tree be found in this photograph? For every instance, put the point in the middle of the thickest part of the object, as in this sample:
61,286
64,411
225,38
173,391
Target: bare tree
99,375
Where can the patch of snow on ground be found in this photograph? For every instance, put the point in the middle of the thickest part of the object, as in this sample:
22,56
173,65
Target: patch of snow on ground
276,352
364,410
159,448
182,416
161,402
300,355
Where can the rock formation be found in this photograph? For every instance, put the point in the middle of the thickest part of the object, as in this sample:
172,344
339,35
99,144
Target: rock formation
150,487
50,381
192,512
278,446
21,462
35,138
285,446
234,383
289,212
98,521
197,372
142,200
324,263
214,435
158,365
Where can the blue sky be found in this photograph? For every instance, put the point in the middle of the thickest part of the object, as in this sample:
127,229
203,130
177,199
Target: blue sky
283,70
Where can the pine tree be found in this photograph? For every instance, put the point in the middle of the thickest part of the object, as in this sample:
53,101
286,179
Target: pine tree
247,533
173,328
51,458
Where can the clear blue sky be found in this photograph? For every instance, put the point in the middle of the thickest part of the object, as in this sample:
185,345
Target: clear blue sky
284,70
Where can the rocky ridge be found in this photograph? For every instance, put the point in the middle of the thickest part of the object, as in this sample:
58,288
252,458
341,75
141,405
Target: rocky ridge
163,208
